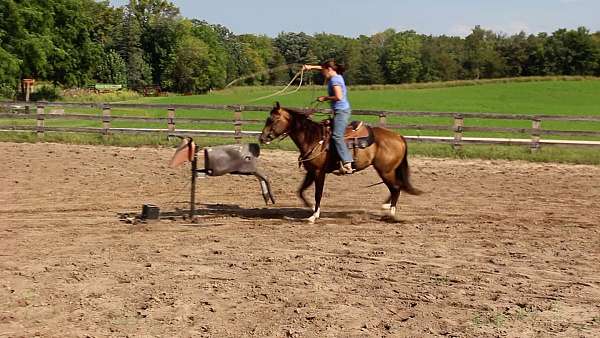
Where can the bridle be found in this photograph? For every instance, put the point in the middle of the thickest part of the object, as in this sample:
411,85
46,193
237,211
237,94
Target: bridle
271,135
303,157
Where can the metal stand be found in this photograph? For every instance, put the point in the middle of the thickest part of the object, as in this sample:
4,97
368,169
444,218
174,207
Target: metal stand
193,192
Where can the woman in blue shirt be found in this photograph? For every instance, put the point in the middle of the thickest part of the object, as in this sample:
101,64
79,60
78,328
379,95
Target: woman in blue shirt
337,95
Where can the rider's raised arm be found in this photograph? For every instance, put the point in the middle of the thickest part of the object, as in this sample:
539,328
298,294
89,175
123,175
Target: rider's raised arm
311,67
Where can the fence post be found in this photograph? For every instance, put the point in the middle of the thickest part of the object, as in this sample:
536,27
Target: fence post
458,131
40,118
105,119
536,125
237,124
382,119
171,120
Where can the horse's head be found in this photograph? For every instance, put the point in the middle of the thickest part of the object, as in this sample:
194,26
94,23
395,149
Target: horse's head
278,124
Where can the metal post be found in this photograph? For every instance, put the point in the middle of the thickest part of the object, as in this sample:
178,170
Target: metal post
193,189
458,131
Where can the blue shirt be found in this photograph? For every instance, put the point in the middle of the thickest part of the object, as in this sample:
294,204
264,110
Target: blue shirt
338,80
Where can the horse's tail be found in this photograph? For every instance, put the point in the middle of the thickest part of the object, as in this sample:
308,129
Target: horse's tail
403,173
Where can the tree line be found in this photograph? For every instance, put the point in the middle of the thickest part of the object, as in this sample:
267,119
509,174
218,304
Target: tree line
74,43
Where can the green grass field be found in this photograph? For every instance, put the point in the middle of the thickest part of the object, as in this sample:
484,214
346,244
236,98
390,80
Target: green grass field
548,97
532,98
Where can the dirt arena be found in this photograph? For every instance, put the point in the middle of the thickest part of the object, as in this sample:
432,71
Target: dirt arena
492,249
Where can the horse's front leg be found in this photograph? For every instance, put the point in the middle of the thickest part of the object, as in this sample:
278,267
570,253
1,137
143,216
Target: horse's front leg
319,184
308,180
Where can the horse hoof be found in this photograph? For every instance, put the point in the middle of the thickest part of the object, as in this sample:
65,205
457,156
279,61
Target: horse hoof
311,220
393,211
386,206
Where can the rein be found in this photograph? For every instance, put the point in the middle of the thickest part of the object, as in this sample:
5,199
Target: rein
305,157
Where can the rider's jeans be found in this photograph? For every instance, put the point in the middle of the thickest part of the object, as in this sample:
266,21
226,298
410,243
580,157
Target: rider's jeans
340,121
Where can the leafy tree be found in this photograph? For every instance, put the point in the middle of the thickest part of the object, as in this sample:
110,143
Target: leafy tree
402,57
25,34
259,56
441,59
148,33
75,42
139,73
572,52
514,52
328,46
596,40
295,48
236,60
351,58
112,69
482,59
536,63
278,74
219,57
187,70
159,41
367,69
9,74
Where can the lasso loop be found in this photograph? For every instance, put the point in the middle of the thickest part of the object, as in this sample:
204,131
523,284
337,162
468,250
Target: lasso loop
282,92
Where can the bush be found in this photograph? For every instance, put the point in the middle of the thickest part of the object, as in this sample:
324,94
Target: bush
89,95
46,93
7,91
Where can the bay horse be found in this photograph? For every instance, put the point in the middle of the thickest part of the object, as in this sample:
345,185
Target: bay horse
387,154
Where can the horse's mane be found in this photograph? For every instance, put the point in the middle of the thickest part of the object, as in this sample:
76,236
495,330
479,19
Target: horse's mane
297,112
302,120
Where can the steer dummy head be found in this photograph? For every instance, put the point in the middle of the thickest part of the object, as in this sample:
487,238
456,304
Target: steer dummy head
184,153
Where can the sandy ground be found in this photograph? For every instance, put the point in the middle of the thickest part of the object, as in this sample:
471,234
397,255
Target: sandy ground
493,249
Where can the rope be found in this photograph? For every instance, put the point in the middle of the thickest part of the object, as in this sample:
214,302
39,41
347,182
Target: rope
299,85
259,73
321,143
283,90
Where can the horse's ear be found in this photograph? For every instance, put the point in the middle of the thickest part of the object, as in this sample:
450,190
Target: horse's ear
277,105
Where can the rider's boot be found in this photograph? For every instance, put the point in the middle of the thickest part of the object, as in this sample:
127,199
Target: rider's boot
345,169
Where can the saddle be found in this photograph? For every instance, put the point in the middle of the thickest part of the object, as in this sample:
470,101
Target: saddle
358,135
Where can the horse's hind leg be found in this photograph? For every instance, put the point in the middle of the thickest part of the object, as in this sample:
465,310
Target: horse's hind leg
391,181
308,180
394,194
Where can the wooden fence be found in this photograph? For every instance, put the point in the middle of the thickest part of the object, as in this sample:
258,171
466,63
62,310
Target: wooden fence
534,140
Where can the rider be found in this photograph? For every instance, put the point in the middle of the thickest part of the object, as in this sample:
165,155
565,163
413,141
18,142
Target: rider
337,94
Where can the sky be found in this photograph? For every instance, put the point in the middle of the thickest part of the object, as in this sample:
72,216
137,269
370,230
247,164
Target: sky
355,17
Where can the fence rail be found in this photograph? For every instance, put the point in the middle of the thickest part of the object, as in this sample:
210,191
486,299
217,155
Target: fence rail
25,111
